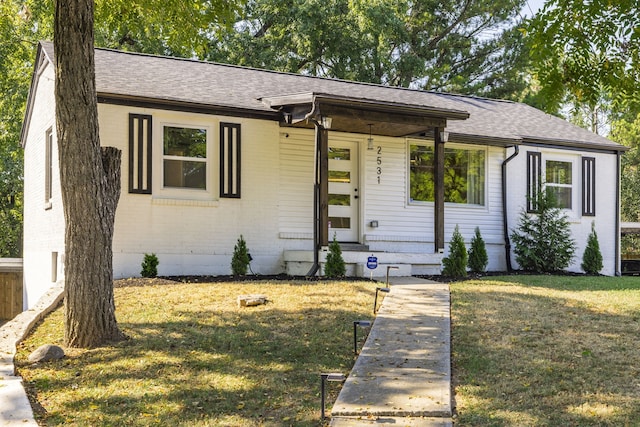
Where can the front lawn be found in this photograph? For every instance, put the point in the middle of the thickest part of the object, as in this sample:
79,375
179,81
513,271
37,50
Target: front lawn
547,351
196,359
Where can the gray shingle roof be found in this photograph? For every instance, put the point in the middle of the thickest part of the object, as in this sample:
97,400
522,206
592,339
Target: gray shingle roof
211,84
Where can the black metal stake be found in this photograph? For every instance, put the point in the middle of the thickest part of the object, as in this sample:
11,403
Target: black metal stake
362,324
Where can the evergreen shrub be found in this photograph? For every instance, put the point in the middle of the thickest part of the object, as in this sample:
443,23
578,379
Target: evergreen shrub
334,266
150,265
455,265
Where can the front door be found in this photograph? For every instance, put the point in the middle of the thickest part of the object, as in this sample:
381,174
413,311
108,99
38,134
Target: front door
343,191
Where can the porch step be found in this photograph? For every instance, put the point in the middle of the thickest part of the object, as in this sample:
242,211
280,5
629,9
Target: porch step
354,247
299,262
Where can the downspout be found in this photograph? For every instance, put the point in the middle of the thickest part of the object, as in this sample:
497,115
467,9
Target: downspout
316,191
617,239
507,241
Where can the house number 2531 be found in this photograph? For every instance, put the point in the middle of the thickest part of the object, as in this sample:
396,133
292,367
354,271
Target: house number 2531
379,163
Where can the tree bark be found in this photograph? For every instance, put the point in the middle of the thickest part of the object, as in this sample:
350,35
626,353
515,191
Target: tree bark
90,182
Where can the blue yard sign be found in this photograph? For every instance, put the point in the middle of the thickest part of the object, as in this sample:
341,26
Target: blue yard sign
372,262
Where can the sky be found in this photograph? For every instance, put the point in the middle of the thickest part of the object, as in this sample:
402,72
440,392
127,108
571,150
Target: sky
531,7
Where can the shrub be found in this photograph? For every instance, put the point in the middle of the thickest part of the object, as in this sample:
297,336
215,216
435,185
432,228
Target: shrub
478,258
592,258
150,265
455,265
334,266
543,242
241,258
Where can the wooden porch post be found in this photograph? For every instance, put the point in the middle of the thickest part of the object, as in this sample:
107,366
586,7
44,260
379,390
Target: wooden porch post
439,191
324,187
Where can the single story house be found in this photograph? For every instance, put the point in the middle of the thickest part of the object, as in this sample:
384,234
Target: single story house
214,151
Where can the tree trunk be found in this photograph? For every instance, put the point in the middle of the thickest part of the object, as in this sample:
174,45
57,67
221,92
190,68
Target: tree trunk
90,182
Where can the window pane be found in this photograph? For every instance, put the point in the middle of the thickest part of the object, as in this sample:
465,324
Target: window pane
339,200
339,176
464,175
421,173
562,196
558,172
339,153
185,142
339,222
185,174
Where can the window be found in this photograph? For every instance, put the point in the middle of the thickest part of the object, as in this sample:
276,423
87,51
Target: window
48,168
588,186
464,174
184,157
140,160
559,182
230,160
534,175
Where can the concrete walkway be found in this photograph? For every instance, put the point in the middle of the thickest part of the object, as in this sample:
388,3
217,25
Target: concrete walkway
402,376
15,409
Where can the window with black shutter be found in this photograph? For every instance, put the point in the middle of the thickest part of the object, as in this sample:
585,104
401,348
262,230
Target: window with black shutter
230,160
140,159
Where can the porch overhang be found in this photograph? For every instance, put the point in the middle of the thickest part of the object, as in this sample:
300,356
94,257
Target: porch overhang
361,115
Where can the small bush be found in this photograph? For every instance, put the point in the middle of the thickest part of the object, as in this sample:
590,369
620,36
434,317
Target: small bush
455,265
543,242
241,258
334,266
150,265
478,258
592,258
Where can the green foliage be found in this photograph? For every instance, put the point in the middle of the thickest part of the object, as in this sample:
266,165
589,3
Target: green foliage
627,132
241,258
334,266
582,50
592,258
455,265
461,46
478,258
150,265
543,242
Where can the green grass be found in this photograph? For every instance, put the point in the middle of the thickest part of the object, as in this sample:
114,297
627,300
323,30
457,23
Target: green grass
547,351
195,358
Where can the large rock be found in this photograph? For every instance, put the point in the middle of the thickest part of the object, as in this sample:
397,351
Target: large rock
251,300
46,352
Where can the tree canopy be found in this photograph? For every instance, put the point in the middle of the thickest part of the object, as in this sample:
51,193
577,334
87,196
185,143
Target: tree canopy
587,53
465,46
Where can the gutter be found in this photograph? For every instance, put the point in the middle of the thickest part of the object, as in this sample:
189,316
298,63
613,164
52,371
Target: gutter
617,239
507,241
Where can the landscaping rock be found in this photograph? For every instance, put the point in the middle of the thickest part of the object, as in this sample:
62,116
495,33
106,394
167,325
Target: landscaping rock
251,300
46,352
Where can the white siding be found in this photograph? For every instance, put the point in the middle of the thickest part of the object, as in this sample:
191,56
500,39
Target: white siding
197,236
605,219
43,227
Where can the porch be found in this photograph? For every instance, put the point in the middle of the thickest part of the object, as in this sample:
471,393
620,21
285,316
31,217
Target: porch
299,262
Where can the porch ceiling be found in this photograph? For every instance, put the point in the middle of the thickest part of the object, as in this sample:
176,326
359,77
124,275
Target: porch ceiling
357,115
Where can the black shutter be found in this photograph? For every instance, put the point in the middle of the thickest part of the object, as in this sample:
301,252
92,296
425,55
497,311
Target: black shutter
140,147
534,179
230,160
588,186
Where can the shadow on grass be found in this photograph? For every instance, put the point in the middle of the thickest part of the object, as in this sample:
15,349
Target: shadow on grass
255,366
538,357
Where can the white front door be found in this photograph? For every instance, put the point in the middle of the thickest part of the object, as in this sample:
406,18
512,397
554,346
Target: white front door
343,191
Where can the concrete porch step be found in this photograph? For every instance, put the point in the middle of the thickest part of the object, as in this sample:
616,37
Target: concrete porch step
298,262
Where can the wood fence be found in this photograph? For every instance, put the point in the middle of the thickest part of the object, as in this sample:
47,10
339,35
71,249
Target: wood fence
10,288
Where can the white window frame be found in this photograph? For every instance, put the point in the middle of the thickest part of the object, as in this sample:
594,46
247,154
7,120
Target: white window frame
211,161
467,147
575,161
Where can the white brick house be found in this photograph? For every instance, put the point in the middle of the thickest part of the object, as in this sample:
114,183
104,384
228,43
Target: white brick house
213,151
